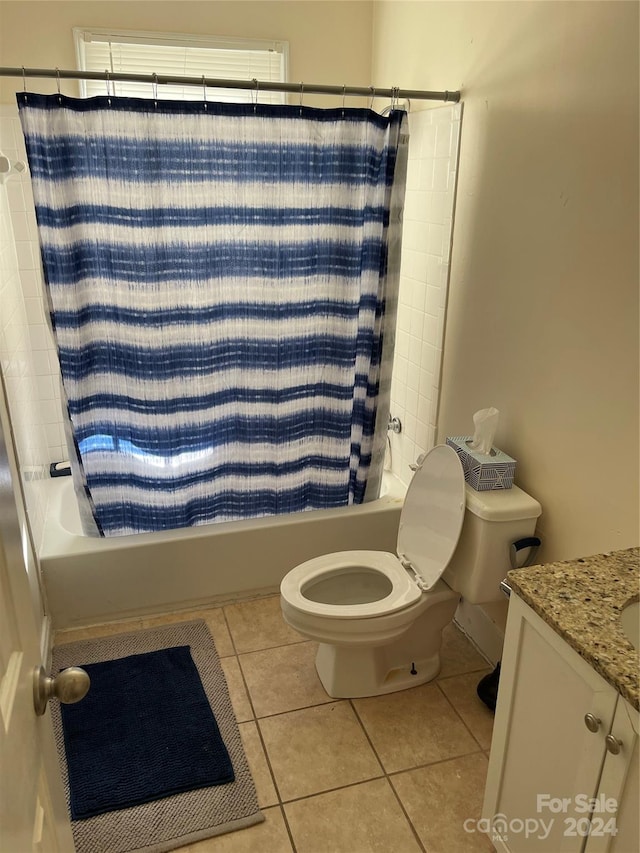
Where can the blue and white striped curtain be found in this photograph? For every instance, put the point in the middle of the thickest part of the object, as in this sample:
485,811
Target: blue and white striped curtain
222,282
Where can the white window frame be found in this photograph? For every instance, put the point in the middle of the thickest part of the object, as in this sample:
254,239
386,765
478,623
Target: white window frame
82,35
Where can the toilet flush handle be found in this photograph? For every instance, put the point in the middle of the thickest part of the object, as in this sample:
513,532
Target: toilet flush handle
532,542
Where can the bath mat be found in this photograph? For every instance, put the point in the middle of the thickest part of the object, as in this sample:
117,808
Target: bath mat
144,731
175,819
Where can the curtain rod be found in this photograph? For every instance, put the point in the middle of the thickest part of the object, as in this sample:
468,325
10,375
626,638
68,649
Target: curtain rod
254,85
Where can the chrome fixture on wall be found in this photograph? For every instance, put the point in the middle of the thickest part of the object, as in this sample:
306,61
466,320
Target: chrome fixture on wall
10,167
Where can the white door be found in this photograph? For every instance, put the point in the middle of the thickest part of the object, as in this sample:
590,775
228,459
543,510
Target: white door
33,812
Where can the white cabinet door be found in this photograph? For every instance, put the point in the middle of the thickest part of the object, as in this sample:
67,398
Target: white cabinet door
543,755
619,784
33,814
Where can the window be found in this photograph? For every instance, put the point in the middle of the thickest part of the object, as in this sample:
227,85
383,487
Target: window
123,51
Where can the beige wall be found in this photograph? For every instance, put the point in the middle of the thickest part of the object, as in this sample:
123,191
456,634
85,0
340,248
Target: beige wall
38,34
543,307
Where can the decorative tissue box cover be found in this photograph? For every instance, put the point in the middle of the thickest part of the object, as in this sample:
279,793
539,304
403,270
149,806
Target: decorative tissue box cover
483,473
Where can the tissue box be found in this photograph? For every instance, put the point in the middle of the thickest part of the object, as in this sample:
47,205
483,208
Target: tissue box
481,472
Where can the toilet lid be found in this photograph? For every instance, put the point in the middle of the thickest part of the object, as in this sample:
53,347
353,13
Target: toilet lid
432,515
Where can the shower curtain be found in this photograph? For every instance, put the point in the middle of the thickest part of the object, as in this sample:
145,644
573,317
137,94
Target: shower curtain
222,282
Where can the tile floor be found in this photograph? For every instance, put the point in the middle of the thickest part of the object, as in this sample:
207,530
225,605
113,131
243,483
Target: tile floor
395,774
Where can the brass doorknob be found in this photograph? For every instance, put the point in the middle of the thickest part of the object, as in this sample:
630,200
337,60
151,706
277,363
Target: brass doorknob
69,686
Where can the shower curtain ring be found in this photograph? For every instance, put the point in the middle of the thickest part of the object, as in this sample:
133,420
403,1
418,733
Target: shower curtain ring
58,83
301,96
24,80
155,88
255,103
344,89
372,89
204,91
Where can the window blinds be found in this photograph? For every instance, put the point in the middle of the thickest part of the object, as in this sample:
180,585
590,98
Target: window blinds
181,55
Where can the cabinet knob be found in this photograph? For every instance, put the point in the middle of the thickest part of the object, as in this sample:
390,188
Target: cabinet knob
613,744
591,722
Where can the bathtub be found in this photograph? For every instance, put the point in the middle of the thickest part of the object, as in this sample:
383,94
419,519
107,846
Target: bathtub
89,580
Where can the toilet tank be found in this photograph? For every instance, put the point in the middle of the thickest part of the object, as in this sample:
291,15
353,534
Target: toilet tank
493,521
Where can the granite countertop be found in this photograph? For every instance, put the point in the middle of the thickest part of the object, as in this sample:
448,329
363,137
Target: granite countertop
582,601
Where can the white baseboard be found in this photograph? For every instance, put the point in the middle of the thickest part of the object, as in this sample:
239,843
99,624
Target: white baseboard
484,624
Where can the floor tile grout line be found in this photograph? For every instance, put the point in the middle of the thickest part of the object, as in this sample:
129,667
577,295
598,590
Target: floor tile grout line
390,776
333,790
479,747
278,646
366,734
279,804
405,813
258,729
233,642
301,708
440,678
276,787
255,721
261,648
427,763
460,717
383,777
392,773
287,827
386,776
383,774
266,751
244,682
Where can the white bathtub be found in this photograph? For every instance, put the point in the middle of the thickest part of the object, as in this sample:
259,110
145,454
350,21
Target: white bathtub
91,580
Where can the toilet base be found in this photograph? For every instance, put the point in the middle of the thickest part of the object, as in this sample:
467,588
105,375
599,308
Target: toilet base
354,671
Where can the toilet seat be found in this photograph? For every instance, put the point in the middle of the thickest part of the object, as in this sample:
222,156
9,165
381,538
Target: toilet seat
430,526
403,592
432,515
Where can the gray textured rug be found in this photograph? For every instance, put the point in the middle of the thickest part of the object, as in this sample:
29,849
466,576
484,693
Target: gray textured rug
184,818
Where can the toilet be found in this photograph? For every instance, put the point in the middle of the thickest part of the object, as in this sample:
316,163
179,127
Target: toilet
378,617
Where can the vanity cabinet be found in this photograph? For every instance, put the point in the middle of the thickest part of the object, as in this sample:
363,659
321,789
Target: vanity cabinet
620,780
564,741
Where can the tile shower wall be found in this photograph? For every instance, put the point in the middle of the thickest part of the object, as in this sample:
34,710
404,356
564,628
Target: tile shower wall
424,276
431,177
24,387
44,361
